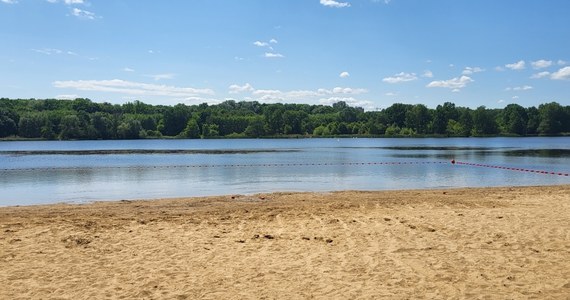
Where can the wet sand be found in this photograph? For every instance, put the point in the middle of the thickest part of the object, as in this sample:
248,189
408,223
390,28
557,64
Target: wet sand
484,243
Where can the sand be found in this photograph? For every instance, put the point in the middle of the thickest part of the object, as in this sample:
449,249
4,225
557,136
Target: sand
488,243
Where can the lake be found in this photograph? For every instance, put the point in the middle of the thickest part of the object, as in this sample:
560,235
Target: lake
41,172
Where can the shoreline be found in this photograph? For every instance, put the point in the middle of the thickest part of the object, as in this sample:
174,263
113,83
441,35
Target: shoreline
437,243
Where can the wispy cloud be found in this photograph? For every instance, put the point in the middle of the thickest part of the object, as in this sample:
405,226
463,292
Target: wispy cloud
48,51
236,89
54,51
261,44
540,75
67,97
455,83
127,69
158,77
83,14
273,55
401,77
131,88
541,64
68,2
9,1
332,3
472,70
519,88
427,74
520,65
344,75
562,74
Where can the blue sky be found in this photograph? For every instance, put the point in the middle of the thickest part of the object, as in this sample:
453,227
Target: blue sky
369,53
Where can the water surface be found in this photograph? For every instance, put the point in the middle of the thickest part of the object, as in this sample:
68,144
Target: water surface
83,171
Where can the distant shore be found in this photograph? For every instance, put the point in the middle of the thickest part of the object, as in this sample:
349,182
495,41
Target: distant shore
300,136
509,242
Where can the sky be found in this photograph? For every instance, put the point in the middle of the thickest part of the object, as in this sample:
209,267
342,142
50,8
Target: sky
368,53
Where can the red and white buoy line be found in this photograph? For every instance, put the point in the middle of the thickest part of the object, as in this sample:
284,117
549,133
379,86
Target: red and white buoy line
280,165
543,172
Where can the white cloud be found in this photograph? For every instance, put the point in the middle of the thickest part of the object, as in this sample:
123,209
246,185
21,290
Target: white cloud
344,75
9,1
301,96
67,97
341,90
83,14
541,64
455,83
427,74
367,105
401,77
500,101
562,74
261,44
127,69
48,51
158,77
390,94
239,58
131,88
499,69
273,55
273,41
540,75
471,70
515,97
562,62
520,65
333,3
235,89
519,88
68,2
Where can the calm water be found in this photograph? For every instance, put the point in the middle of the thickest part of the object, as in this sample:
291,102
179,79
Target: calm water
32,178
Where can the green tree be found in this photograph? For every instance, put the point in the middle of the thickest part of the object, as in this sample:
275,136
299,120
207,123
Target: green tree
71,128
210,130
192,130
533,120
514,119
551,118
255,129
418,118
392,130
483,122
130,128
30,125
7,123
175,119
442,115
466,121
103,125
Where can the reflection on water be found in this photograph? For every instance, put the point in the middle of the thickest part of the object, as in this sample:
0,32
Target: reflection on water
178,168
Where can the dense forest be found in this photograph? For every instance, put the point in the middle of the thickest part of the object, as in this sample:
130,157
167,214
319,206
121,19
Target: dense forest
84,119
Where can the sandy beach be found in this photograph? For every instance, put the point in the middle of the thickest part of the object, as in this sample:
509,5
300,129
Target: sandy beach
483,243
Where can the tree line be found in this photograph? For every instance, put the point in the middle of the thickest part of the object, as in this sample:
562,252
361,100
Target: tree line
83,119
